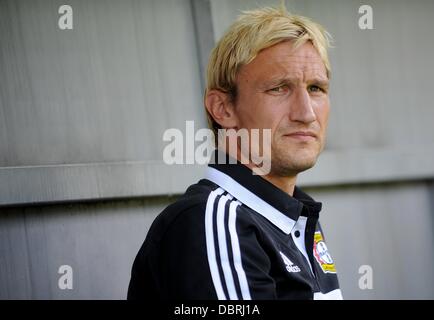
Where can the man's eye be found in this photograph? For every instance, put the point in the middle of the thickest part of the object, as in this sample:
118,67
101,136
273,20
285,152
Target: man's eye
316,89
279,89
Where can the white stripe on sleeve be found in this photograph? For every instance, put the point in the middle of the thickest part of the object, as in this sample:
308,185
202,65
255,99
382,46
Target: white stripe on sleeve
236,252
210,248
224,257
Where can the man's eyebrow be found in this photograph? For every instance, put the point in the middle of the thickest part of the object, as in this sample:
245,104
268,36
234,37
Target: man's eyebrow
282,80
278,80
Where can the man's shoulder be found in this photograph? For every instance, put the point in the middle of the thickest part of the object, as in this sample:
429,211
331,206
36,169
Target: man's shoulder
188,209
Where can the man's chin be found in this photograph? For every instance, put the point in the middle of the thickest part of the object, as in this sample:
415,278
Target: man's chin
292,167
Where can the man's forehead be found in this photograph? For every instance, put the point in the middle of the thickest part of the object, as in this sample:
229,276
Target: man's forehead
286,51
283,60
295,67
283,70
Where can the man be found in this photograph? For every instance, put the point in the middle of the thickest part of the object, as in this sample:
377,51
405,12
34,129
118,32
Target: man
245,232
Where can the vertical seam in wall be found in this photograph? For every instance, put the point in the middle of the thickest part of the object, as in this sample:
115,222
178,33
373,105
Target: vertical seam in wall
203,34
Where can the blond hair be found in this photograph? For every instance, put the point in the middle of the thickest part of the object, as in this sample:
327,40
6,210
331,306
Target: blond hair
252,32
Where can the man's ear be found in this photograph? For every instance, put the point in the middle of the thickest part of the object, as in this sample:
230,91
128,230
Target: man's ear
221,108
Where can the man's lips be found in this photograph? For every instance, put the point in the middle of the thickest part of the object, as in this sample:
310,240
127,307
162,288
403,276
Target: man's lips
302,135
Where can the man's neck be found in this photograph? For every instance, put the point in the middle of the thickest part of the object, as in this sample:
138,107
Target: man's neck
286,184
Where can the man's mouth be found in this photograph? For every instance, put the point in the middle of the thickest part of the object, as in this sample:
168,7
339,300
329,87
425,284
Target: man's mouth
302,135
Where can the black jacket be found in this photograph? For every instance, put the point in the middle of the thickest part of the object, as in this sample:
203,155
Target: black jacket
234,235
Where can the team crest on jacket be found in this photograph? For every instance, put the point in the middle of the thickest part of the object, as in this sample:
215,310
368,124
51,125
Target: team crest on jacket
322,254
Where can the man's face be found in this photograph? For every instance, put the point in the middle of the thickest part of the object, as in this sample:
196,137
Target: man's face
286,90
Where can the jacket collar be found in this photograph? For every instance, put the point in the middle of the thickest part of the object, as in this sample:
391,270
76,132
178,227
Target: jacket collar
260,195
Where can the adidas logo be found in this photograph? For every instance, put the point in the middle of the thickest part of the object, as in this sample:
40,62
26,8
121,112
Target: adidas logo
290,266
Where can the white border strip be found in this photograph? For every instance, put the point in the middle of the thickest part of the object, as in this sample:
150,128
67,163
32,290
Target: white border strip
81,182
300,241
332,295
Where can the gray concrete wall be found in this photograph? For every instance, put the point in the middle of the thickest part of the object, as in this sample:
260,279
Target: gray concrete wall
99,241
388,227
89,106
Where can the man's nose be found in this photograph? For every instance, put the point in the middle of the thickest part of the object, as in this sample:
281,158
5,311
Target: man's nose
301,109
